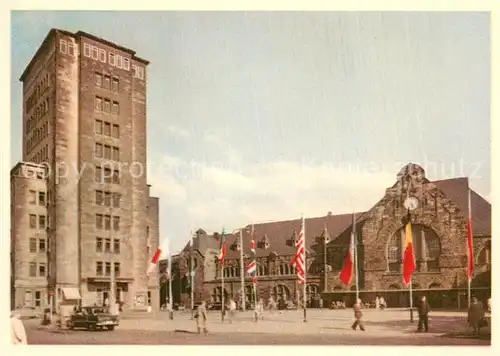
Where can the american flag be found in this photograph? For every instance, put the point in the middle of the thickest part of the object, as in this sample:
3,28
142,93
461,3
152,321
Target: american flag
300,256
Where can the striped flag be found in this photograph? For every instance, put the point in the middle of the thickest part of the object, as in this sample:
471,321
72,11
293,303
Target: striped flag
222,251
470,249
348,268
409,265
300,255
252,267
161,253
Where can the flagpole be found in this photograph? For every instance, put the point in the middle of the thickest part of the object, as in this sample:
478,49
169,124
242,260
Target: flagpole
355,243
254,284
305,272
242,271
222,308
191,274
170,304
470,250
325,283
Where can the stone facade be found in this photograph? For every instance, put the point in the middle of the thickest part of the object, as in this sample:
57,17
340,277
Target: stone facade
84,119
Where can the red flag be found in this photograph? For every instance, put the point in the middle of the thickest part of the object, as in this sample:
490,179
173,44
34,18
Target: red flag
409,256
300,256
348,268
470,249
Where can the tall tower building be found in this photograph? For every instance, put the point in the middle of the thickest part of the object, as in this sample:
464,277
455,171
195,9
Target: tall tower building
81,208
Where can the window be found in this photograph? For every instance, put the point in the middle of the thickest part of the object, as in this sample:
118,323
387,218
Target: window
41,270
107,198
117,269
98,127
102,55
71,48
33,221
63,46
107,222
116,108
119,61
41,221
107,152
115,85
98,79
86,50
116,131
98,221
32,197
140,72
107,129
98,103
41,198
111,58
98,244
107,175
98,268
107,105
116,246
95,53
41,245
98,197
116,223
116,200
108,268
98,174
32,269
126,63
33,245
116,154
107,82
116,177
98,150
107,246
38,298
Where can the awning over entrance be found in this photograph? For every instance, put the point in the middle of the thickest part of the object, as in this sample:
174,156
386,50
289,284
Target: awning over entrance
71,293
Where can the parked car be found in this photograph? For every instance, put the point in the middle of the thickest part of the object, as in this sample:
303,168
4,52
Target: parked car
92,318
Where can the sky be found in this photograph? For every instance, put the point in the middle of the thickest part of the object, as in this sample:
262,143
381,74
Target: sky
264,116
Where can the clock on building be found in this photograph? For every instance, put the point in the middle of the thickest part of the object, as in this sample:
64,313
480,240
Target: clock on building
411,203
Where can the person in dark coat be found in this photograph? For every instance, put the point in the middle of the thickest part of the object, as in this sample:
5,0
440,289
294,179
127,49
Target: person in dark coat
423,314
358,315
476,315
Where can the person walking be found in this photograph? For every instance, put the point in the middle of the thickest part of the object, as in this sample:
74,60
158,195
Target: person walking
201,318
475,316
259,311
358,316
17,330
232,310
423,314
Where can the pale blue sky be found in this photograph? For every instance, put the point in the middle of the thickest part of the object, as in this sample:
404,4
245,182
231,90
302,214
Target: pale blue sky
257,116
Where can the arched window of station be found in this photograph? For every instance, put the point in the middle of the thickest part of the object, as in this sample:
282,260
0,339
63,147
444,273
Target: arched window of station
280,291
249,295
434,285
216,295
312,290
484,256
394,287
426,247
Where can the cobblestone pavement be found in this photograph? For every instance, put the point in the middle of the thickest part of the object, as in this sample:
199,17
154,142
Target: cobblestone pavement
389,327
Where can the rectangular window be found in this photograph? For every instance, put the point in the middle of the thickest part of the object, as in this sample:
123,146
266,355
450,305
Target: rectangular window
107,175
115,85
95,53
107,82
107,222
98,268
107,106
38,298
32,269
111,58
126,63
33,245
98,174
32,221
98,103
108,268
41,245
116,200
41,270
98,150
98,79
134,70
98,221
63,46
116,177
116,246
140,73
116,154
86,50
41,221
107,246
119,61
32,197
116,223
116,131
117,269
98,244
98,197
107,152
116,108
41,198
71,49
107,129
98,127
102,55
107,198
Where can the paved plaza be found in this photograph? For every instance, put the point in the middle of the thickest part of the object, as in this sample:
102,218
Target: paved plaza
323,327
